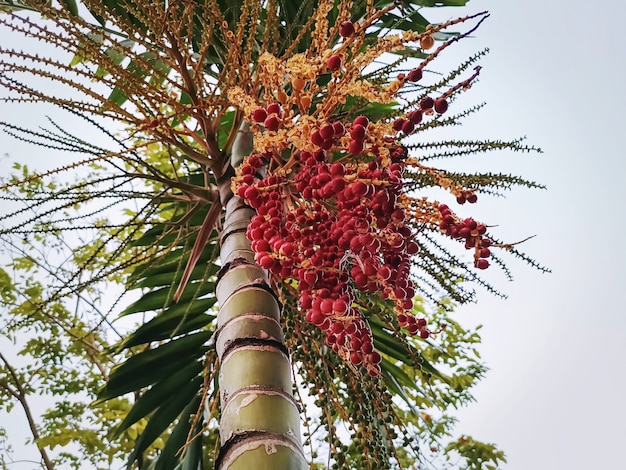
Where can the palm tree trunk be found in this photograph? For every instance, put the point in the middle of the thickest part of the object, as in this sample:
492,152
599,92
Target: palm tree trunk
260,422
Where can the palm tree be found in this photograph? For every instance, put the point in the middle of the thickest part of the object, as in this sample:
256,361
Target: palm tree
234,109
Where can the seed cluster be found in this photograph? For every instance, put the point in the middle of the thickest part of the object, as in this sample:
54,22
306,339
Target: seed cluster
331,213
335,228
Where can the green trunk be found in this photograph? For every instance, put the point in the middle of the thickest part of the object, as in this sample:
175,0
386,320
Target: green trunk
260,423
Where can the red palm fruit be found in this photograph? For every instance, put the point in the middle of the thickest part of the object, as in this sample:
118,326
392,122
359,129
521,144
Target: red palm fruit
272,123
374,357
339,130
326,306
412,248
346,29
340,307
427,102
441,105
361,121
421,323
267,262
408,127
461,199
424,333
317,139
356,358
356,147
397,124
413,329
334,62
337,169
327,131
472,198
357,132
485,252
416,116
485,242
415,75
258,115
384,272
482,263
275,108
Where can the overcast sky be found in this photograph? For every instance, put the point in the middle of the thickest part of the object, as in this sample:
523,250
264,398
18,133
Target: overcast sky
556,347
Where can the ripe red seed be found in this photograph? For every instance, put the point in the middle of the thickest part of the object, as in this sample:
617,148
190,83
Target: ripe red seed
414,75
398,123
441,105
339,130
361,121
427,102
416,116
374,357
317,139
424,333
346,29
357,132
356,358
334,62
408,127
327,131
258,115
275,108
485,252
472,198
340,307
356,147
272,123
482,263
384,273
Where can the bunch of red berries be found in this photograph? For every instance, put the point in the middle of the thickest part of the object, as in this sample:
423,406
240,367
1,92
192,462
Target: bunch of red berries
470,231
335,229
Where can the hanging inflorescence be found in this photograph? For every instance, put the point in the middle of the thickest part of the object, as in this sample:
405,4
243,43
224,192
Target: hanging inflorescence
332,213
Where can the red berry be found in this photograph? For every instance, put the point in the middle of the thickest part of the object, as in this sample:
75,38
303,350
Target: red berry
415,117
346,29
398,123
361,121
258,115
356,147
339,130
317,139
384,272
424,333
275,108
357,132
408,127
441,105
327,131
340,307
415,75
485,252
334,62
272,123
356,358
472,198
482,263
427,102
374,357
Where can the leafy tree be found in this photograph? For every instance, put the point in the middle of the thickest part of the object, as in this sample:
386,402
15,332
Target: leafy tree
278,224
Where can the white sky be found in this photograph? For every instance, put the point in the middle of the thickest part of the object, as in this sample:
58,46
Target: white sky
556,346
